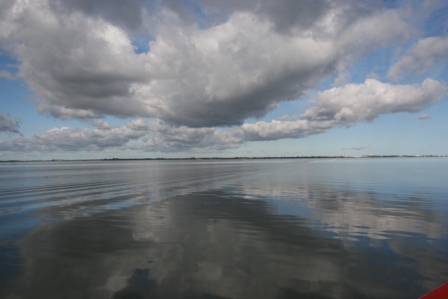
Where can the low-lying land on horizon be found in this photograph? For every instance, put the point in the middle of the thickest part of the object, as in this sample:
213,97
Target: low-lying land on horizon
236,158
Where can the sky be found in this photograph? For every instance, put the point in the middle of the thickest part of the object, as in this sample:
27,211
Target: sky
83,79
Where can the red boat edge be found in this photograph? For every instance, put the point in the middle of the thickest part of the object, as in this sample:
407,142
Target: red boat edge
439,293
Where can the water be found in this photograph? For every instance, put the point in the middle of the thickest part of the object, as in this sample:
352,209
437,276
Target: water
346,228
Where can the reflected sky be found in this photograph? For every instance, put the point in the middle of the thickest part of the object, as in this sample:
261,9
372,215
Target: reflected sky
365,228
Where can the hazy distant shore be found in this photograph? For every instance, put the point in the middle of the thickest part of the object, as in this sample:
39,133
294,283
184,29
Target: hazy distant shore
234,158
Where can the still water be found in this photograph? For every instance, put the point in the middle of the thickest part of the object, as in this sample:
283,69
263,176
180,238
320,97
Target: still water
346,228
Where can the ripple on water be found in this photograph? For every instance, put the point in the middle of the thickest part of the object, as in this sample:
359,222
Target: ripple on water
351,228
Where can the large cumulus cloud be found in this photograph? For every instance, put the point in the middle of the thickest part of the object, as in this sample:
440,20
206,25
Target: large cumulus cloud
77,66
80,61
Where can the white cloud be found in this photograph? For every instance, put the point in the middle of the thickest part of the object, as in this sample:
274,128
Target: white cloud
425,54
280,129
136,135
364,102
71,139
168,138
102,124
9,124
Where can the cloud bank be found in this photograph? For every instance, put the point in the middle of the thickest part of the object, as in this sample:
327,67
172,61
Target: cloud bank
337,107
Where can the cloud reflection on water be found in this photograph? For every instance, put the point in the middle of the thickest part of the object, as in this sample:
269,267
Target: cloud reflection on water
211,244
351,212
257,230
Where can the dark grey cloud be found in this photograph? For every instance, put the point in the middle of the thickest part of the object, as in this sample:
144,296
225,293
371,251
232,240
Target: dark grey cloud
127,14
9,124
284,14
287,15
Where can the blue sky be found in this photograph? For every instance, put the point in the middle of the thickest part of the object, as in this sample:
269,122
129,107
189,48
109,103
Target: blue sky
82,79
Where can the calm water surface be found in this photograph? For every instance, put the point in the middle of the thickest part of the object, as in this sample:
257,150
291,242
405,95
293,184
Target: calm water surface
346,228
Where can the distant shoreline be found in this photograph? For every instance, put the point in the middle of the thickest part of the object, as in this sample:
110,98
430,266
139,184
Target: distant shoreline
232,158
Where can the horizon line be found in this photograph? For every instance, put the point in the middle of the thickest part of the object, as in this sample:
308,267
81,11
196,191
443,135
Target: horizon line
231,158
